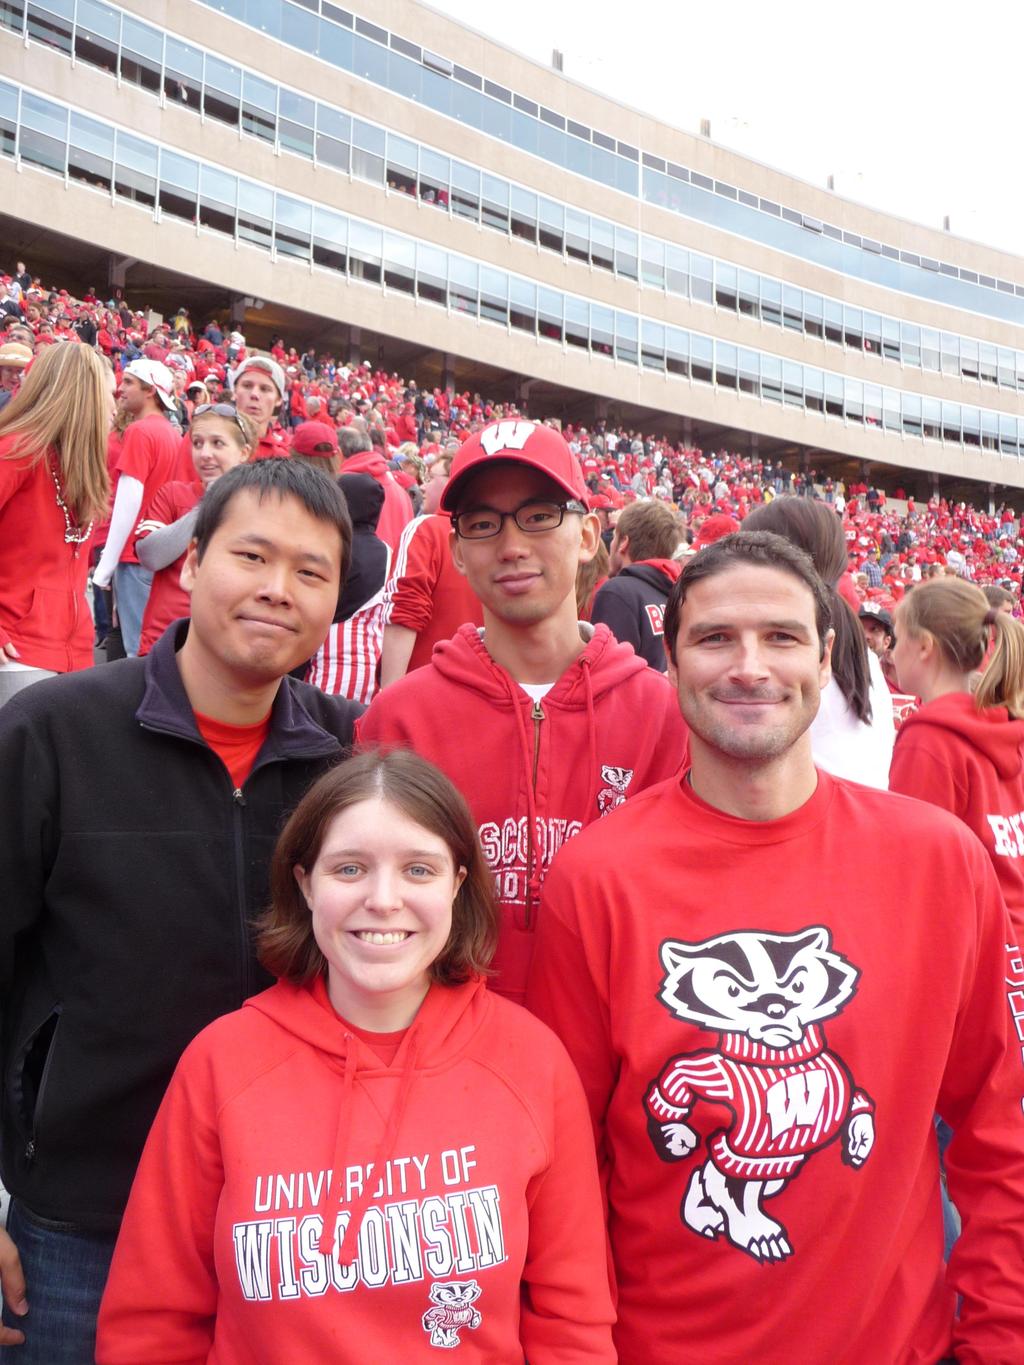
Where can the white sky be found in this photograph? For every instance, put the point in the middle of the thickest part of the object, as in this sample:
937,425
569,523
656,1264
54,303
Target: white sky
914,107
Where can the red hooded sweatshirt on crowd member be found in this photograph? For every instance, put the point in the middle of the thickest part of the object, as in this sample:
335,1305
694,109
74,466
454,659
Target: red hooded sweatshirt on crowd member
457,1174
533,773
765,1029
43,611
274,445
970,762
397,510
426,593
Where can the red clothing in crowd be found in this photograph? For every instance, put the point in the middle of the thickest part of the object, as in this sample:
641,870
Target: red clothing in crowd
765,1029
43,611
533,773
479,1226
397,509
274,445
168,600
237,746
426,593
153,452
970,762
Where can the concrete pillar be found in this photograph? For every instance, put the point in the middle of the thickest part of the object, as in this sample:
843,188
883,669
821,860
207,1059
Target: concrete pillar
991,499
238,311
117,270
448,374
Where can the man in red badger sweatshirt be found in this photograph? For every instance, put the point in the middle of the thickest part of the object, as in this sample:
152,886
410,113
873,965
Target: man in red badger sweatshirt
765,1030
543,723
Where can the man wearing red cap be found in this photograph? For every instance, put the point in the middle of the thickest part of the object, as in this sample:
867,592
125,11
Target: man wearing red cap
543,723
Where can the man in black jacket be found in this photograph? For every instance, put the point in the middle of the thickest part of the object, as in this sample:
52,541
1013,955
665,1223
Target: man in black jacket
140,806
632,603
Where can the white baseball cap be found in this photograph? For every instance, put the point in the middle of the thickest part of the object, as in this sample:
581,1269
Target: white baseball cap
157,376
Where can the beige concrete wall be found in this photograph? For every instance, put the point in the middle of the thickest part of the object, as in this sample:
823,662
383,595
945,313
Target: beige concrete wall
130,231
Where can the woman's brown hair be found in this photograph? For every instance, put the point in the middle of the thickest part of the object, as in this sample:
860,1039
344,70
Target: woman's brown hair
285,942
63,405
588,576
957,616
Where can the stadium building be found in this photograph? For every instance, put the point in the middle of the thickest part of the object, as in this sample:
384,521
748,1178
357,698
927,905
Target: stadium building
390,184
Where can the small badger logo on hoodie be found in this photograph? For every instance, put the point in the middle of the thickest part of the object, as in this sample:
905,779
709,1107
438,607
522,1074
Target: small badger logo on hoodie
453,1310
614,794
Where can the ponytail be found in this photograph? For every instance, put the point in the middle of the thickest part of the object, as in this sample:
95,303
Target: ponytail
1002,683
850,669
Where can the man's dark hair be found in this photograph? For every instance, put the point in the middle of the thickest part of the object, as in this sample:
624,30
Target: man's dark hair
763,550
319,495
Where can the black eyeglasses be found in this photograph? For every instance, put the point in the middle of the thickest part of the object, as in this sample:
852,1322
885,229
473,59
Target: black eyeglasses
227,410
532,517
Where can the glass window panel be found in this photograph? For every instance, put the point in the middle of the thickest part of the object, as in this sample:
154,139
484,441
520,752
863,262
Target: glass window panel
701,356
494,203
1007,435
435,179
293,227
602,330
43,138
91,152
367,152
891,339
652,346
792,308
301,30
463,286
700,280
873,333
183,74
218,196
891,409
969,358
465,192
336,45
749,294
626,253
494,295
726,374
1005,368
266,15
365,250
524,214
179,185
950,353
550,314
989,368
432,274
141,54
330,240
602,244
911,406
771,302
135,169
792,384
625,337
677,271
833,323
12,15
50,23
928,341
931,415
522,311
971,419
872,405
259,108
255,215
652,263
833,395
814,315
577,322
814,389
853,392
399,263
771,378
577,235
223,92
749,367
989,430
853,328
677,352
552,226
403,159
725,286
951,430
97,35
296,120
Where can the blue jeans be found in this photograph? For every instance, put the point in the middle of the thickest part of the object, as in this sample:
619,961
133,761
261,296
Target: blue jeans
65,1273
131,586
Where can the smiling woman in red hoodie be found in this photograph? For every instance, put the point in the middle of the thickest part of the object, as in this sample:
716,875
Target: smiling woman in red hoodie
53,487
961,751
376,1158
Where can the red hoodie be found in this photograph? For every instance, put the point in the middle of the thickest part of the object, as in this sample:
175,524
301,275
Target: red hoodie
533,773
765,1028
43,610
426,593
459,1180
970,762
397,509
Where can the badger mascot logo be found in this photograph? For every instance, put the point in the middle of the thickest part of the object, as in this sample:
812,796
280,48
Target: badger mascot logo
453,1310
614,794
765,995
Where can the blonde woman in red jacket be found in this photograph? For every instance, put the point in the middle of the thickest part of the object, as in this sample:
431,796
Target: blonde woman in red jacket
53,487
376,1158
960,750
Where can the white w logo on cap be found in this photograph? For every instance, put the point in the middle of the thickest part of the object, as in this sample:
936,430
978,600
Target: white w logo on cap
506,436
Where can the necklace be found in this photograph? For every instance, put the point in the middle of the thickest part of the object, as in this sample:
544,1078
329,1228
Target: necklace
73,535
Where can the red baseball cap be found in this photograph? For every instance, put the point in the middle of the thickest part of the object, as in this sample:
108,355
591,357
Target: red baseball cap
310,438
516,441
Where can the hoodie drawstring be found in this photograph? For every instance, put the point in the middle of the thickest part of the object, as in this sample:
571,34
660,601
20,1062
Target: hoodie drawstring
588,685
349,1238
533,887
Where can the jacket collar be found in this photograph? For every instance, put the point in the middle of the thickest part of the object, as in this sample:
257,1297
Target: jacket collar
165,707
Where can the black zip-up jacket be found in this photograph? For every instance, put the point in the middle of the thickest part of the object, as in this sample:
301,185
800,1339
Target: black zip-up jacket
130,872
632,605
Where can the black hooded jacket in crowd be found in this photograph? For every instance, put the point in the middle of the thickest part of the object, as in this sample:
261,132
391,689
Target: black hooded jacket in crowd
132,870
632,606
369,564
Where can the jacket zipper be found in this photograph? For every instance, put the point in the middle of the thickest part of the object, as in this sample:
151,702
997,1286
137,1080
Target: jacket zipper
537,716
238,816
31,1145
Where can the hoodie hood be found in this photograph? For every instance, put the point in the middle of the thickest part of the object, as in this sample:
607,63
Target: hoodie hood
992,732
366,462
444,1025
655,572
